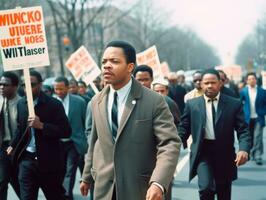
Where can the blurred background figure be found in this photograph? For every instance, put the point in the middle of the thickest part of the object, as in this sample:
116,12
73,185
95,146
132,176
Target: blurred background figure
254,100
225,82
176,92
82,91
47,89
144,75
181,80
197,91
73,87
161,86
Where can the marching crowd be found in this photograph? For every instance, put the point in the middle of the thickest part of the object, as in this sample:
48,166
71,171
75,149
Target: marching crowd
126,139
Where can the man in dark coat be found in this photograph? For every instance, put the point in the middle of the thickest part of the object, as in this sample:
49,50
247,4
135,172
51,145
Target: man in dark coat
211,120
37,144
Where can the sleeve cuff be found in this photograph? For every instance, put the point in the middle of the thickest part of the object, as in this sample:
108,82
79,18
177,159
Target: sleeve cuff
159,185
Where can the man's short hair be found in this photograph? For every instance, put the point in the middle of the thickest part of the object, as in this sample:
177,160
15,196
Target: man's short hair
73,82
129,50
37,75
251,74
82,83
197,72
211,71
143,68
222,72
62,79
12,76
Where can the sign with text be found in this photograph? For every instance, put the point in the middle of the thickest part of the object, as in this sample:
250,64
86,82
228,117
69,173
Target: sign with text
150,57
165,69
22,39
82,66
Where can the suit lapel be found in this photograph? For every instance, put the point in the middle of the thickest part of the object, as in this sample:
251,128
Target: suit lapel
133,96
103,113
70,108
202,112
220,108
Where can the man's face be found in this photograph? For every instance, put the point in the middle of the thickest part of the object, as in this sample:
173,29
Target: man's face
116,71
35,87
6,88
251,81
82,89
161,89
222,78
73,88
197,80
60,89
211,85
144,78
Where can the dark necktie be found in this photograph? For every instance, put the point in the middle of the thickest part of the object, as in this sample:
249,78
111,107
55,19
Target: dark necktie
114,116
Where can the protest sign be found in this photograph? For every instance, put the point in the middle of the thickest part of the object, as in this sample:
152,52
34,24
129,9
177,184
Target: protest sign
82,66
263,75
150,57
23,43
165,69
22,39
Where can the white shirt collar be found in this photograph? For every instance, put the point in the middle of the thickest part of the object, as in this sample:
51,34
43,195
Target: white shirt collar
207,98
122,92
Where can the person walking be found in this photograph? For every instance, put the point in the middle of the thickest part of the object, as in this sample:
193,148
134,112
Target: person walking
134,147
211,120
36,144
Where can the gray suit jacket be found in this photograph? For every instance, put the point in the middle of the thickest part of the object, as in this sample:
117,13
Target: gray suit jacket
146,148
12,114
76,116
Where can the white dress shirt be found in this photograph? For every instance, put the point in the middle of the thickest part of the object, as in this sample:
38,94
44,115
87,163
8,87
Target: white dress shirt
65,103
32,146
209,127
122,95
252,93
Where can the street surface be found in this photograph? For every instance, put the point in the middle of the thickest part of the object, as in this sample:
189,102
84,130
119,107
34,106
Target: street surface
251,184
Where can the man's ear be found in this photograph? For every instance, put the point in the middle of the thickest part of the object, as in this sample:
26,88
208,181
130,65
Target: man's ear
131,67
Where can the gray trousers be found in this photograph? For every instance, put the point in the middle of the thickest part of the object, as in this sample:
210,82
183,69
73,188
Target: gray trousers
71,157
257,149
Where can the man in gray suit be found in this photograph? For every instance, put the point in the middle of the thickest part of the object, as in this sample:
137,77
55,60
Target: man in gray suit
134,145
8,123
76,145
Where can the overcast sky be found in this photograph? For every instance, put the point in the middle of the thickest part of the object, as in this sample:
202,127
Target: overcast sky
221,23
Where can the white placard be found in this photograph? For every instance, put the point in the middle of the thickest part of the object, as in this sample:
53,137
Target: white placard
22,40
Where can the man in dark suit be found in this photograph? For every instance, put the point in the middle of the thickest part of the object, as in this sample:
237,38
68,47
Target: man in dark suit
134,147
176,92
211,120
8,122
75,146
226,90
37,144
144,75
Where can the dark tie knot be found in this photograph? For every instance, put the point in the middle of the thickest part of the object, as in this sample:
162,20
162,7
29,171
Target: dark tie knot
212,100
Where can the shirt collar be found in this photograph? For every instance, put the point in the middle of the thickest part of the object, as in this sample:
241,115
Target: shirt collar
122,91
252,88
63,100
208,98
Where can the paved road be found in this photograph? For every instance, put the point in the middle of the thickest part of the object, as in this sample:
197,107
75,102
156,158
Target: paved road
251,184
